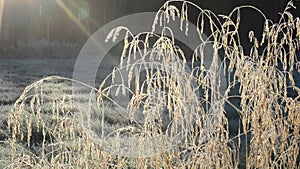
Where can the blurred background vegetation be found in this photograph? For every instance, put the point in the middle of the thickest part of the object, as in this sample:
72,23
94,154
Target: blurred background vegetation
47,28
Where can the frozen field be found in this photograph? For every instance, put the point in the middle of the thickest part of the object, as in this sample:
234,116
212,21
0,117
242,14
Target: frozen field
16,74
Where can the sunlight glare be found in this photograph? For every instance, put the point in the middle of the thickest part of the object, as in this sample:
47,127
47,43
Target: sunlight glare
73,17
1,12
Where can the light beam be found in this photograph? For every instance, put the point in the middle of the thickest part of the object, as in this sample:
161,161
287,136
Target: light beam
73,17
2,2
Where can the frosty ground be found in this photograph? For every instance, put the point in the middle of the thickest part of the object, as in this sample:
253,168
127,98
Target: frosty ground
16,74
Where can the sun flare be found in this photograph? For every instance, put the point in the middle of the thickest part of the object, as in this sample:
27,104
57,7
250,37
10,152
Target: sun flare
1,12
73,17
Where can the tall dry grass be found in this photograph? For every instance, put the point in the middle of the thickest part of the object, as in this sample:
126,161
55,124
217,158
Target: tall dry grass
92,128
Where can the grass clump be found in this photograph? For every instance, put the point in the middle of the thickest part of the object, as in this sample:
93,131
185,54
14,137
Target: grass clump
173,118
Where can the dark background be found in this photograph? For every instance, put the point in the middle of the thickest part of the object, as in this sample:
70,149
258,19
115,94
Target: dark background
46,28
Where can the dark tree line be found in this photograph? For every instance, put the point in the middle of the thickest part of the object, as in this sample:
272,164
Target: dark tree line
39,19
58,20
